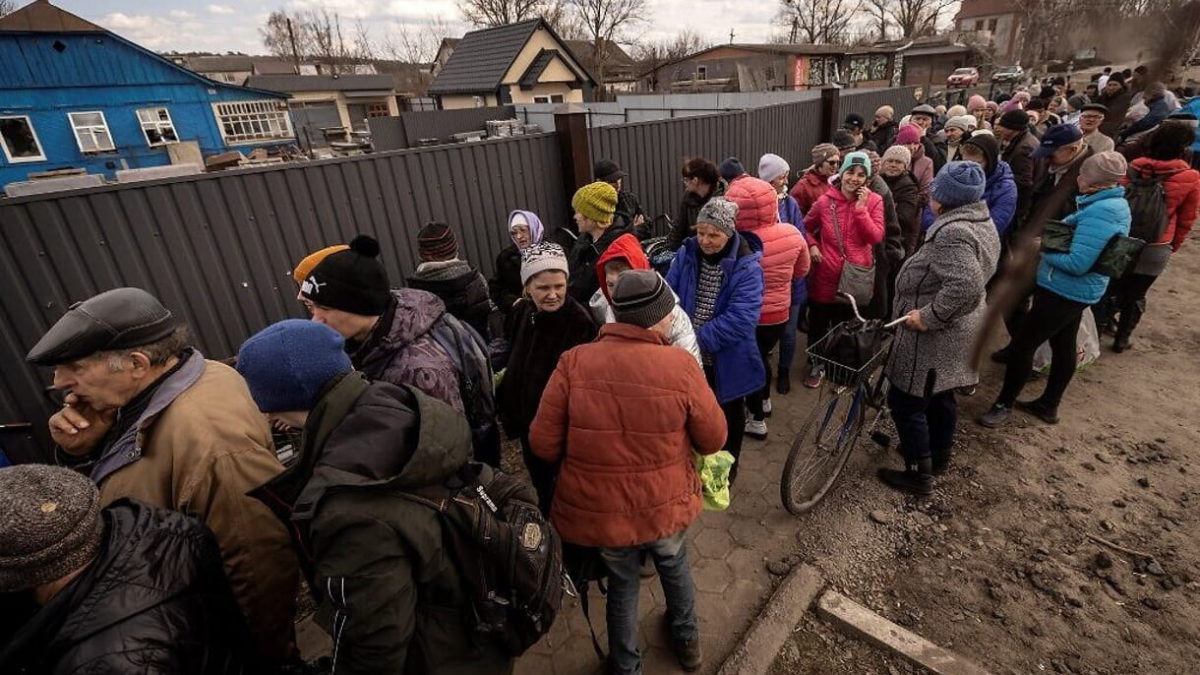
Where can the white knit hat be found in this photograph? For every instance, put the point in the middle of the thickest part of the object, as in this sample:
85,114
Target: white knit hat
540,258
772,166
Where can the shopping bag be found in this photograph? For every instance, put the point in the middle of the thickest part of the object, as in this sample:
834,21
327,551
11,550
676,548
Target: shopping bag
1087,346
714,478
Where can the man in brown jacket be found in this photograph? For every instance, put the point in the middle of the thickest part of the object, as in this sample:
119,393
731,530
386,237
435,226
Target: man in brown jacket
623,415
147,417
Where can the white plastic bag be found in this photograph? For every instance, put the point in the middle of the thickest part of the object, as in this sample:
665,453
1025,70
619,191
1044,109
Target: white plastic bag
1087,346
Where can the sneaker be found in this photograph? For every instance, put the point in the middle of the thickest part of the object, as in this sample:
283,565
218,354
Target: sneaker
814,378
756,429
1002,355
996,416
1040,410
767,407
783,383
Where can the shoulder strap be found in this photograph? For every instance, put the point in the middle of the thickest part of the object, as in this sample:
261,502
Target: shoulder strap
837,229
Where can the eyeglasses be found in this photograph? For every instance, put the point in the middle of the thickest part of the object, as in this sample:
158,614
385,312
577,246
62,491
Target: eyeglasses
1091,116
832,162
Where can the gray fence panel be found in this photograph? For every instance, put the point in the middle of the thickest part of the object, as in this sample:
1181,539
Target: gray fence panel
866,101
387,133
219,248
789,130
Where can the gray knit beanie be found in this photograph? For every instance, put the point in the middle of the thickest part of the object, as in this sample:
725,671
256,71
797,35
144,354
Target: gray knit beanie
50,524
641,298
720,213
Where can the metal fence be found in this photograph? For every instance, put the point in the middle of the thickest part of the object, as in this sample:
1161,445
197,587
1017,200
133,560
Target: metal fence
218,248
866,101
408,129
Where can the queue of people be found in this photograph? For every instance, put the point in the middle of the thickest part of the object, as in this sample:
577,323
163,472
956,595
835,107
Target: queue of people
610,376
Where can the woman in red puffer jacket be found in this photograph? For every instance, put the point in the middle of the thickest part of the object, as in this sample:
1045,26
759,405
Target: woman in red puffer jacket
1164,158
858,214
784,258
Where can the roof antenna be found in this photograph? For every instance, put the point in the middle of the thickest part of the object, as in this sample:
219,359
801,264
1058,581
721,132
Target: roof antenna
730,36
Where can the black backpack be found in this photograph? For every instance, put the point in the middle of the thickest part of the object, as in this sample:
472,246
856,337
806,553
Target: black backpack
469,353
1147,205
509,556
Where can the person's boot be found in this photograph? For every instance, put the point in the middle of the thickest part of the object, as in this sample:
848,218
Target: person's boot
996,416
1040,409
686,652
783,383
1002,355
1120,344
915,479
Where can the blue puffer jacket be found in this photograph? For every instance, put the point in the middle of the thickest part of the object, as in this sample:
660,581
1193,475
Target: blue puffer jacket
1000,196
789,212
1101,216
729,336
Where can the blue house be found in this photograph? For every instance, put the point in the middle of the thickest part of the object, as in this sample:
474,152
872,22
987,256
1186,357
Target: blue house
74,95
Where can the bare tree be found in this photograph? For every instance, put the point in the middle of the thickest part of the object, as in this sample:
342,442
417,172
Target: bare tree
654,55
880,17
819,21
317,34
917,18
414,43
564,20
502,12
605,21
7,7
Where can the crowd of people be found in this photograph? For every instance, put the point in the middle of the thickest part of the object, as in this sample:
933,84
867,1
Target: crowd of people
611,376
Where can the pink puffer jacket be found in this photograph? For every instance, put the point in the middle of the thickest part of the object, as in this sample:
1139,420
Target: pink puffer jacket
862,228
784,252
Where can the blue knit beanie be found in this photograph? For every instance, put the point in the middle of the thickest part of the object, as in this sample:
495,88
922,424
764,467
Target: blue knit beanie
958,184
731,168
287,364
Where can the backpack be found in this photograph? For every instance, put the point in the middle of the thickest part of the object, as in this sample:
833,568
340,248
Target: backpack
469,353
509,556
1147,205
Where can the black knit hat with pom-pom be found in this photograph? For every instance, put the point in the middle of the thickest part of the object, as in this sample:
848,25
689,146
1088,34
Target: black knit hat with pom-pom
351,279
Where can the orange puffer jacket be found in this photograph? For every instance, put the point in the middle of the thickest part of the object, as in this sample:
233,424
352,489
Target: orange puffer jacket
784,252
623,414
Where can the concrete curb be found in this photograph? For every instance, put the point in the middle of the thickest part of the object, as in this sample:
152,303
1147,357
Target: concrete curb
774,624
859,622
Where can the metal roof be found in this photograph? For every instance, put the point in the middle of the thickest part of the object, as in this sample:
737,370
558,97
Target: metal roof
42,17
936,50
481,59
975,8
295,83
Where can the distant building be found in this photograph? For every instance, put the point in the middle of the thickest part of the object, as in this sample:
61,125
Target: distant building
519,63
76,96
992,24
321,102
772,67
233,68
929,61
622,74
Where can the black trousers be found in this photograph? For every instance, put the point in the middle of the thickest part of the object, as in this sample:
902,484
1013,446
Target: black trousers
735,417
1127,297
542,474
1054,318
823,316
767,337
925,424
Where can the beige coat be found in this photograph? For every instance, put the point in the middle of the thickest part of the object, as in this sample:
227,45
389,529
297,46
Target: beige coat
200,455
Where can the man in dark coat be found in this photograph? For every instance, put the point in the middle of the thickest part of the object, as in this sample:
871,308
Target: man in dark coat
442,272
388,592
1116,97
630,214
884,128
1018,144
124,589
935,149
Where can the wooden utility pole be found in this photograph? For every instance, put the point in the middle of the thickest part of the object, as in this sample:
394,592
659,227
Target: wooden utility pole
295,52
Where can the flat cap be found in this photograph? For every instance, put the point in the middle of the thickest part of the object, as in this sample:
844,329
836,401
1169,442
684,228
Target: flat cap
118,319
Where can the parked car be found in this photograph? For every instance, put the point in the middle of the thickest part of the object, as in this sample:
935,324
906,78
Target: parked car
1009,75
963,77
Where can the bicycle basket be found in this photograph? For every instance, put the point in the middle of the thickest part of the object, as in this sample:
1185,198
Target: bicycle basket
851,351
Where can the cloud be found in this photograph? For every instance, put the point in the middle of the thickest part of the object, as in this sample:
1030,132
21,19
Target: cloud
220,9
180,14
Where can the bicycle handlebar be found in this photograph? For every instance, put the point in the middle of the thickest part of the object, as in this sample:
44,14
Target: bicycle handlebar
854,306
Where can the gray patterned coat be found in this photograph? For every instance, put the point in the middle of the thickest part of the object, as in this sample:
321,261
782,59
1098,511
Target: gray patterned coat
945,280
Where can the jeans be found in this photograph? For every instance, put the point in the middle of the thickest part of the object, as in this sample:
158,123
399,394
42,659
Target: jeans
925,424
768,337
787,343
735,417
624,581
1054,318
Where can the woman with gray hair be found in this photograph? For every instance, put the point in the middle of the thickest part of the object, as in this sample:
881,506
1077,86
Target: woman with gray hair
940,292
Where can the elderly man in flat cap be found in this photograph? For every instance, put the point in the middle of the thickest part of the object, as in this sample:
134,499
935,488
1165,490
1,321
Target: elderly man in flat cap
147,417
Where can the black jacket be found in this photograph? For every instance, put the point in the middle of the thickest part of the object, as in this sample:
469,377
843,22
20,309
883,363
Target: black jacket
689,209
505,285
538,339
461,287
582,260
884,136
935,151
386,589
1055,200
1017,153
907,195
154,602
629,207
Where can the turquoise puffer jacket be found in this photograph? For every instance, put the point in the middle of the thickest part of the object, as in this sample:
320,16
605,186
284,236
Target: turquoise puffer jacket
1101,216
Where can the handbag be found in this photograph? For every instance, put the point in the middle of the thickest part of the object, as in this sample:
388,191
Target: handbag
857,281
1119,256
850,346
1057,236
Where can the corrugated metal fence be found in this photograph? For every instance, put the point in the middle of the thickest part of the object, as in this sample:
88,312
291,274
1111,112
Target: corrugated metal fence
408,129
866,101
218,248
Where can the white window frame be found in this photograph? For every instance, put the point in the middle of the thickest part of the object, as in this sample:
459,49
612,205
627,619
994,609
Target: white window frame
549,98
41,157
157,125
91,129
253,121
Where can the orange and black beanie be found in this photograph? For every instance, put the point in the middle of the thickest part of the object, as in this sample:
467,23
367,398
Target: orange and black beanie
349,278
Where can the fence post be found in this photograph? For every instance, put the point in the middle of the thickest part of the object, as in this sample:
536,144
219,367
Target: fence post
570,125
829,111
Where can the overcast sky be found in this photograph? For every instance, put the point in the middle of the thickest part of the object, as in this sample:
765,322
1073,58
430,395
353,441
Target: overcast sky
232,25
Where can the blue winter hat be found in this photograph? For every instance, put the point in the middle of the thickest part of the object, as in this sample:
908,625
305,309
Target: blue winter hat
287,364
731,168
1056,137
958,184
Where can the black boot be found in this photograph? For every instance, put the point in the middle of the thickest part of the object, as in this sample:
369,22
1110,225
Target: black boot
1040,409
1002,355
783,382
916,479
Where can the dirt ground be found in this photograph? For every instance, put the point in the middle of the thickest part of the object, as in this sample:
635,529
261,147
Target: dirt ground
999,565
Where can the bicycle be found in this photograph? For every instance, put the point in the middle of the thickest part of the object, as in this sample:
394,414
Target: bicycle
847,397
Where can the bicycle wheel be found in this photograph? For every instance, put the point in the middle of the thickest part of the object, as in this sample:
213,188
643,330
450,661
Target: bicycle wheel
819,452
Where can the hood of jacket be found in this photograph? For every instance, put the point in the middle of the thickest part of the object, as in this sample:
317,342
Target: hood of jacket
625,247
1159,167
413,313
370,434
1001,173
444,270
756,202
536,229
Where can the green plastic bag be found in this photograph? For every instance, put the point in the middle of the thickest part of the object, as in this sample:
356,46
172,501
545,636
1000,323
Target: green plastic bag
714,477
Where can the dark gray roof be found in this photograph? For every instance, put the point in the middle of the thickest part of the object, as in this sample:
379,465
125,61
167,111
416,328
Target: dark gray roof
294,83
481,59
530,77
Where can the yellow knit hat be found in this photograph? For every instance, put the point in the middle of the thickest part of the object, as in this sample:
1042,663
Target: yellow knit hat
596,201
313,259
